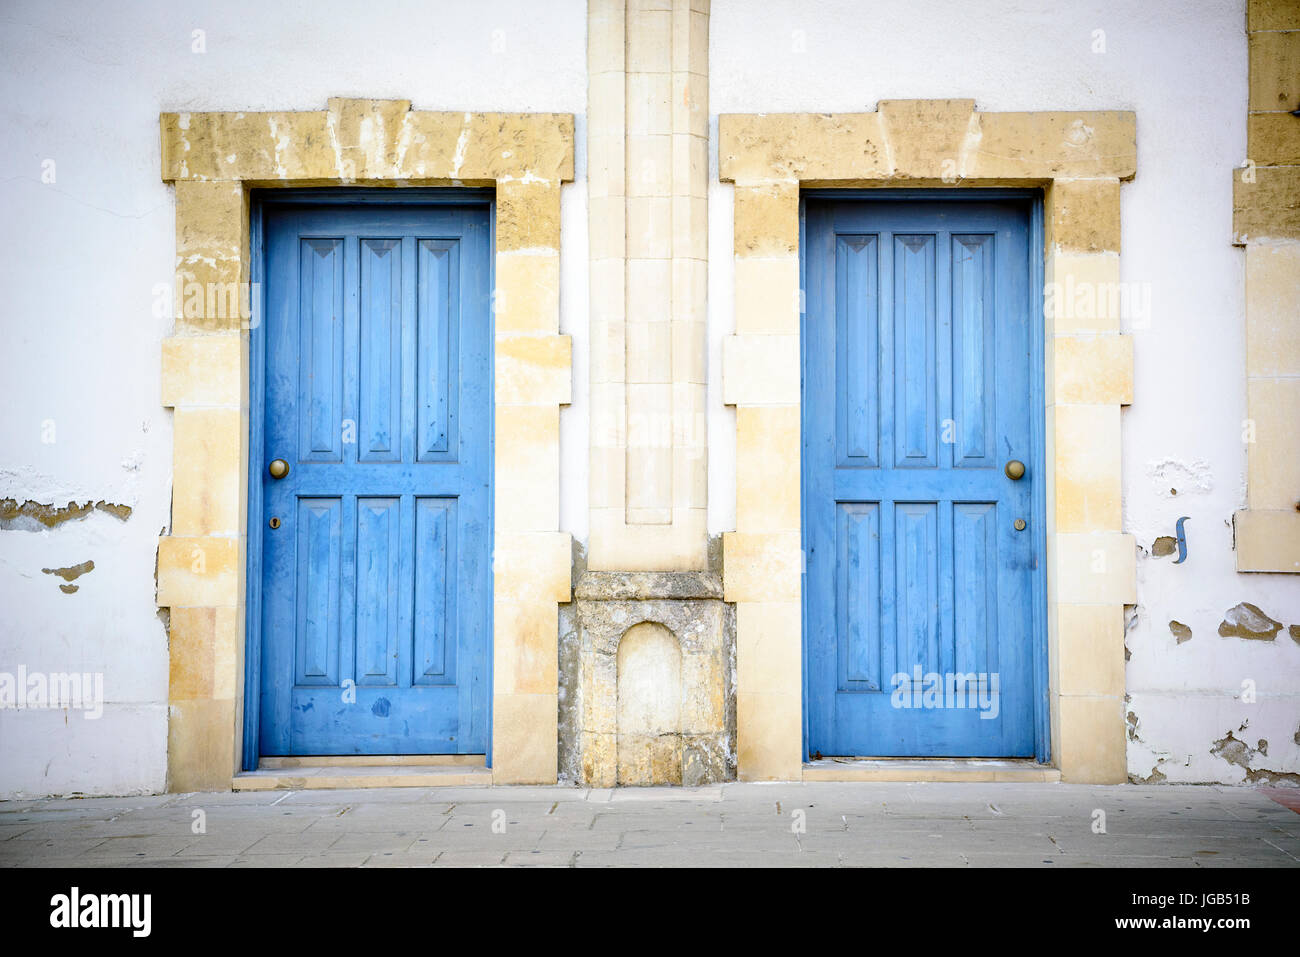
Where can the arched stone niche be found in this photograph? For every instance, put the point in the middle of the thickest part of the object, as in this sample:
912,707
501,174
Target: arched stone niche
654,682
649,711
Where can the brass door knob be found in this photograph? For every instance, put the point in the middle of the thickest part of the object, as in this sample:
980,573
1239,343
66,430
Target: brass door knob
278,469
1015,470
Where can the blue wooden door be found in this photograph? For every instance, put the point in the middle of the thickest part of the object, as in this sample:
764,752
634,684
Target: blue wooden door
376,572
918,392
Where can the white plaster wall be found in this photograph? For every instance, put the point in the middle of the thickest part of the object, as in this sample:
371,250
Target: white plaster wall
82,84
1182,68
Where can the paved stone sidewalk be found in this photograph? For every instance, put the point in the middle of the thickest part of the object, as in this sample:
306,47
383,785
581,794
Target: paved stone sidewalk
802,825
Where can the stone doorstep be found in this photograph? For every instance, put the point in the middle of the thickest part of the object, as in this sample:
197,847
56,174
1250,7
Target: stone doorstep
372,760
976,770
334,777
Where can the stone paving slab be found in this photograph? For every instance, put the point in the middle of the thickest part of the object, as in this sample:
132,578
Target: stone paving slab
816,824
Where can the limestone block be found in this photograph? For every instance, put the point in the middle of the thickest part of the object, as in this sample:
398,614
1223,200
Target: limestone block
1267,541
761,370
202,370
207,471
1273,458
1097,568
1272,305
1083,215
198,571
1091,369
1092,739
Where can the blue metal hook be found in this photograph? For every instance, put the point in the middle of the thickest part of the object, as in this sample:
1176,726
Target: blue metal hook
1182,542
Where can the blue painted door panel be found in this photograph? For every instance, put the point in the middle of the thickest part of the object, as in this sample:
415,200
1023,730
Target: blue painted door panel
376,586
918,389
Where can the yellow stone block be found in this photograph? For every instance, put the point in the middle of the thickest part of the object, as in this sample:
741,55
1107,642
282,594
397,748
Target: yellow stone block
1274,70
1267,208
760,370
1273,459
532,567
366,135
525,636
927,138
898,144
528,215
1083,293
769,647
818,148
207,471
534,370
202,370
1091,369
1092,740
1272,15
762,566
1056,145
768,298
198,571
527,294
201,750
769,737
1090,649
1267,541
1083,215
767,459
1091,569
614,545
1272,305
524,738
191,646
766,219
1273,139
527,467
1086,450
266,148
212,292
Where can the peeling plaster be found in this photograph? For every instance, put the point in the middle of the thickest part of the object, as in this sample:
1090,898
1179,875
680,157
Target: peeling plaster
1164,545
1171,477
32,516
1239,753
1180,631
70,573
1248,621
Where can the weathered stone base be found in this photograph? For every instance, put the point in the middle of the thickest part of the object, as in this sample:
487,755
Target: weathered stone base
648,668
